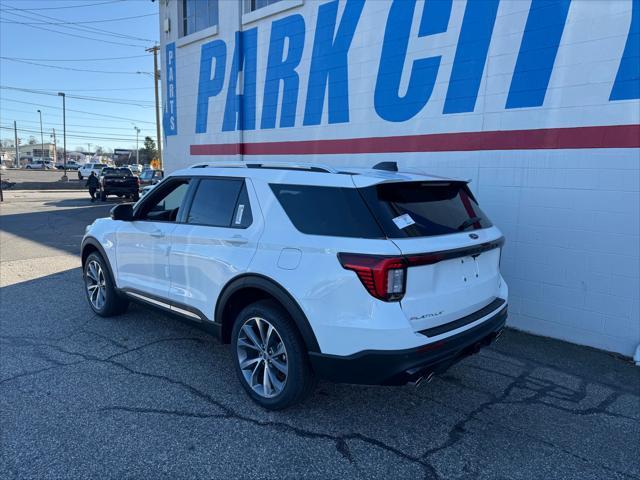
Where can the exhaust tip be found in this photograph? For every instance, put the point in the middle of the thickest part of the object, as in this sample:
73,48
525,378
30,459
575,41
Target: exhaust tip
422,379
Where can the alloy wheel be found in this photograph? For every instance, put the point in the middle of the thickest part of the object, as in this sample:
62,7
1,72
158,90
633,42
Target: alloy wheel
263,357
96,284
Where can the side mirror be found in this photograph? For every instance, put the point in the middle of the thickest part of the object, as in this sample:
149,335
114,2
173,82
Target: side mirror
123,212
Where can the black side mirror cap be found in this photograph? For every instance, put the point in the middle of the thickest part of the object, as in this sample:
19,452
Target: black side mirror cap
123,212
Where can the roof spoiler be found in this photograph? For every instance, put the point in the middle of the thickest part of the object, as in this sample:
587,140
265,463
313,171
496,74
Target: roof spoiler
387,166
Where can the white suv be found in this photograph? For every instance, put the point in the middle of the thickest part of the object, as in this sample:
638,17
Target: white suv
359,275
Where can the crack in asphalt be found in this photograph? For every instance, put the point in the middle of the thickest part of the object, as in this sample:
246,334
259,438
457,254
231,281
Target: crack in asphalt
456,434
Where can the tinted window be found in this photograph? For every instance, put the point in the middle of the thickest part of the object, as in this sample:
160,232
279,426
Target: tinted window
116,171
164,204
423,209
214,202
333,211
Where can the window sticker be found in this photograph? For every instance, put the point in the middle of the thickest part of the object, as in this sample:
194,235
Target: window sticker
239,214
403,221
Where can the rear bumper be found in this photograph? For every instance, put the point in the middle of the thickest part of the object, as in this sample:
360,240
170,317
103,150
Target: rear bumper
115,189
397,367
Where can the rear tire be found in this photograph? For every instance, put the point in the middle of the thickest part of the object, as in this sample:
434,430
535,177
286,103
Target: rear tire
100,288
270,357
135,197
103,196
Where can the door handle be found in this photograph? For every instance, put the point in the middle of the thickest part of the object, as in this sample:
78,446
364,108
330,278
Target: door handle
157,234
238,240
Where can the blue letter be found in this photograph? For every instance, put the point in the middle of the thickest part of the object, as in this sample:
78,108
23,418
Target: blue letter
329,62
291,27
537,54
240,110
209,87
627,84
471,55
389,105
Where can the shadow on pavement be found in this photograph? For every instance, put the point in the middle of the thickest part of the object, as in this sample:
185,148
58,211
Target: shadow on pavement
60,229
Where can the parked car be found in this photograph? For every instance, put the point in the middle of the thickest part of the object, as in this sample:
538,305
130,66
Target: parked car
354,275
38,165
85,170
151,177
119,181
71,165
136,168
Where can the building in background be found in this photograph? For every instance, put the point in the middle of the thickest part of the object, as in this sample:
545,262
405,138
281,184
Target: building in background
536,102
37,151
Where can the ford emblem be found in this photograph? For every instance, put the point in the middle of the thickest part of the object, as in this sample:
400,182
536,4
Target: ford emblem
474,236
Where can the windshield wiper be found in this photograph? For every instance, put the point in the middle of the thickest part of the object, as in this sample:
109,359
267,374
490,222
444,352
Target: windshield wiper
468,222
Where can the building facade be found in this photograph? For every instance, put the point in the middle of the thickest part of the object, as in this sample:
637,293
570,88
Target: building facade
536,102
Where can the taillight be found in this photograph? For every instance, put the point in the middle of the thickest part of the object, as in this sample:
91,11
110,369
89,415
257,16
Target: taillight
137,181
384,277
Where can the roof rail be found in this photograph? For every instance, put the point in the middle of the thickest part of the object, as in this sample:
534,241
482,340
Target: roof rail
314,167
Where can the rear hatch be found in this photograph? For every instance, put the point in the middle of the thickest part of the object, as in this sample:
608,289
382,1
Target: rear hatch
452,249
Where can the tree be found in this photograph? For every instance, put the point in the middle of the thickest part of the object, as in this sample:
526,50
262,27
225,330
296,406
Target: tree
149,150
99,150
32,140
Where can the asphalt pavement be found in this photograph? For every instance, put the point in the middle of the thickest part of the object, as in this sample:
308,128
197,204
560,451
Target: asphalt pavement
146,395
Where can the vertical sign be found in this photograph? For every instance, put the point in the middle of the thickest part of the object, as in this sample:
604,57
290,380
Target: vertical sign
170,120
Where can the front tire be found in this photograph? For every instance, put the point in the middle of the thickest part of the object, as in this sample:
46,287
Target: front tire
100,289
271,360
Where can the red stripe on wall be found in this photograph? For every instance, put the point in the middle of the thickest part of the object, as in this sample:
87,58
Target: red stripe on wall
613,136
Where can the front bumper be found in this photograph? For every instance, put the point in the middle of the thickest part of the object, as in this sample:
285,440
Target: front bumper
397,367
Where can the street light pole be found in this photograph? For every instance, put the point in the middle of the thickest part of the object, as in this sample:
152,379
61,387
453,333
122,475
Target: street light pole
41,138
137,149
64,135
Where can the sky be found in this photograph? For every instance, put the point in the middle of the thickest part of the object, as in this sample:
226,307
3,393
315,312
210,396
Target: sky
47,46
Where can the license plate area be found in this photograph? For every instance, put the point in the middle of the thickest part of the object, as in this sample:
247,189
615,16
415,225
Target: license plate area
469,270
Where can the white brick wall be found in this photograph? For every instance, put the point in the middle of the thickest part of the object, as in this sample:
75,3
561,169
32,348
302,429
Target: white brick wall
571,217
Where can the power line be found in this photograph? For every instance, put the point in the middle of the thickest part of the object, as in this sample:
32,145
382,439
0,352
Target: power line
81,132
77,111
49,124
73,116
122,101
59,23
54,90
88,137
80,23
74,69
93,31
79,59
84,37
72,6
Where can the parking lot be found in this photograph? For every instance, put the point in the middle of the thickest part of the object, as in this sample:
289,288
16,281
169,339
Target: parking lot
146,395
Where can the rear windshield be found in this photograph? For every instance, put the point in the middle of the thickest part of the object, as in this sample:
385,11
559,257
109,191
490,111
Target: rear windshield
424,209
116,171
334,211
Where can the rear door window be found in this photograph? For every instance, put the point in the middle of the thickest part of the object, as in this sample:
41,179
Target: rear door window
424,209
214,202
333,211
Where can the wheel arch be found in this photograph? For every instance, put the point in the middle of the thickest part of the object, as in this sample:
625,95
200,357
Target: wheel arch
90,245
249,288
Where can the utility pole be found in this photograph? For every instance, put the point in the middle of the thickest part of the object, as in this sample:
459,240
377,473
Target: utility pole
156,78
16,161
41,138
64,135
137,149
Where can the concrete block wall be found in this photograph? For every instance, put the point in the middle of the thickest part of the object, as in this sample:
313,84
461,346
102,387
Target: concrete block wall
570,215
